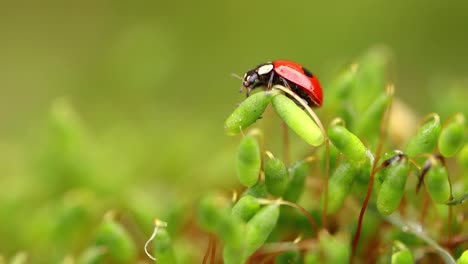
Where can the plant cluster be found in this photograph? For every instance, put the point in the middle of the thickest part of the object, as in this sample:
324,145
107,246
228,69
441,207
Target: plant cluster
359,194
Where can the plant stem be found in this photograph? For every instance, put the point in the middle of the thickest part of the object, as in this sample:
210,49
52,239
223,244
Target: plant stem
208,251
213,249
416,229
382,133
294,205
327,146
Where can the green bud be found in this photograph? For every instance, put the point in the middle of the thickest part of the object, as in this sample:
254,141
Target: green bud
437,183
289,257
335,249
425,138
340,185
296,119
393,186
232,232
260,227
463,156
452,136
92,255
380,175
369,122
347,143
276,176
248,161
312,257
247,112
214,216
246,207
162,245
463,258
295,188
118,243
370,77
401,254
344,83
211,209
259,190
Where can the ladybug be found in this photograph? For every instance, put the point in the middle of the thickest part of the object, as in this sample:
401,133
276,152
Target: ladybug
290,74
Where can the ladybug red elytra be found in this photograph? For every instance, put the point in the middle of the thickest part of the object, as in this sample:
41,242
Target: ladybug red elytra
289,74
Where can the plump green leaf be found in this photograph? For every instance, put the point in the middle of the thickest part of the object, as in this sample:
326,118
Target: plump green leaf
120,248
340,185
348,143
162,245
248,112
393,186
248,161
452,136
276,176
260,227
295,188
437,183
425,138
296,119
246,207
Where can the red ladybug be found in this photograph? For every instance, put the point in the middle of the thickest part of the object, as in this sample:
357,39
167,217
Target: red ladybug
289,74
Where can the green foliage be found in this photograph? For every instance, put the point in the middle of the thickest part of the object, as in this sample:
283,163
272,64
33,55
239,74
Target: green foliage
401,254
393,186
246,207
259,190
163,251
248,112
463,258
276,176
425,138
297,120
349,144
452,136
119,246
437,183
78,176
296,185
289,257
248,161
340,186
260,227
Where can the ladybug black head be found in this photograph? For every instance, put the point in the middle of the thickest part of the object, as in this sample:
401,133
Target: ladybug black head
250,78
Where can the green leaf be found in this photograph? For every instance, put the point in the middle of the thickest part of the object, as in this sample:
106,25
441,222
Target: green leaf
452,136
260,227
248,161
298,120
348,143
162,246
248,112
113,236
276,176
246,208
393,186
425,138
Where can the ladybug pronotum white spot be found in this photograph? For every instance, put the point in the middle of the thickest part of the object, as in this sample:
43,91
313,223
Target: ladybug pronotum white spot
264,69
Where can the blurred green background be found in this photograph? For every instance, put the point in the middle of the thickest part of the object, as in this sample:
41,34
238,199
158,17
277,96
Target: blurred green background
149,87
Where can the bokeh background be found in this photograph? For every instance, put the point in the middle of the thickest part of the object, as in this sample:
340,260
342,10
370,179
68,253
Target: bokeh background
144,87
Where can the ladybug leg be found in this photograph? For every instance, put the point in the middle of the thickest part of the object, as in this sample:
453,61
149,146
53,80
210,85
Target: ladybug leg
270,81
248,91
286,84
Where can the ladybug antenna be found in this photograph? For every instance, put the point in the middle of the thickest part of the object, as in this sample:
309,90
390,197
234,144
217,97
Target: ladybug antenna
235,75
